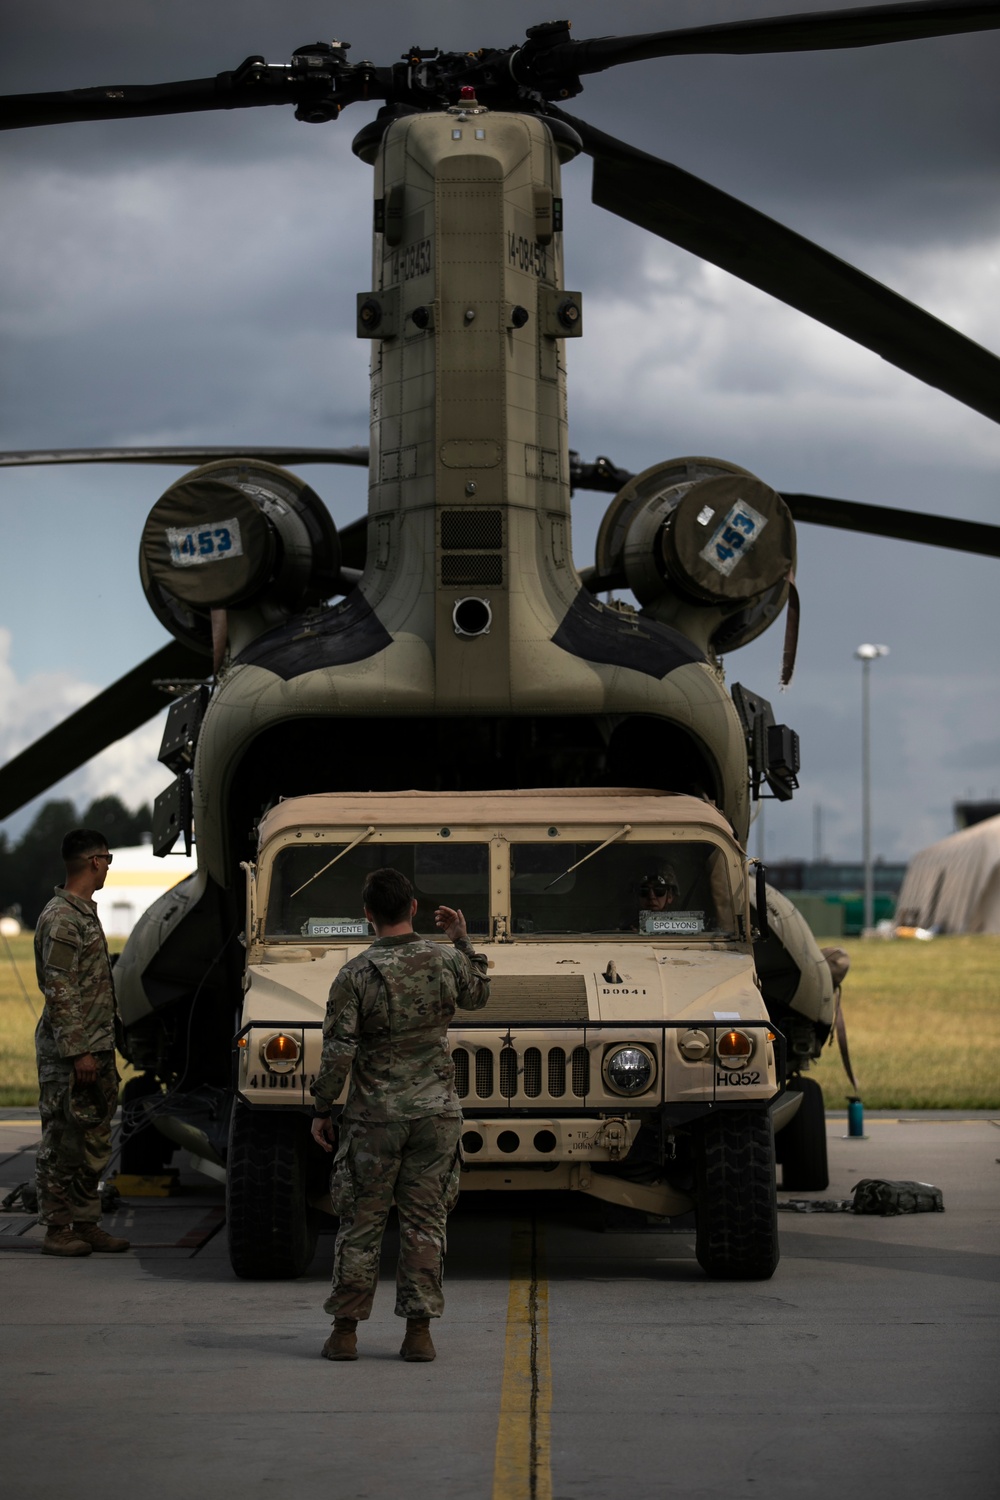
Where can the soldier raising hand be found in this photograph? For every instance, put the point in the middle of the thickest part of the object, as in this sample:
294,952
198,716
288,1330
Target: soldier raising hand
387,1026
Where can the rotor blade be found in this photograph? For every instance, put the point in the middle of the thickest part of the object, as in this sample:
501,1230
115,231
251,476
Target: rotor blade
124,706
287,454
119,101
709,223
819,510
865,26
903,525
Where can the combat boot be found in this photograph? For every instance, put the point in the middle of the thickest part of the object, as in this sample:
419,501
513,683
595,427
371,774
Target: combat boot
62,1239
343,1340
417,1344
99,1239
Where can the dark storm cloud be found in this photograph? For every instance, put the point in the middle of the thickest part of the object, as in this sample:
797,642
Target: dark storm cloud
984,755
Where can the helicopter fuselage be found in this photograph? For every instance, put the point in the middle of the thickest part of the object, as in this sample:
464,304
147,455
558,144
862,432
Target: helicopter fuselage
470,607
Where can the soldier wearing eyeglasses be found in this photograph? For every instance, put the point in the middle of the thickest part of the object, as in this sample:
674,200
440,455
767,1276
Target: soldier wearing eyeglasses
75,1050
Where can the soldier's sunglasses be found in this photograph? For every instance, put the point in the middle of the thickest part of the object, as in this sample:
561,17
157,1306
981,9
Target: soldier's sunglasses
108,857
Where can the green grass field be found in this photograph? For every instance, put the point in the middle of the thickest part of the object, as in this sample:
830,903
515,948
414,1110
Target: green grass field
923,1023
19,1012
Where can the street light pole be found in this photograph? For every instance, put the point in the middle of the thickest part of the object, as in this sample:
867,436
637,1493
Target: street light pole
866,654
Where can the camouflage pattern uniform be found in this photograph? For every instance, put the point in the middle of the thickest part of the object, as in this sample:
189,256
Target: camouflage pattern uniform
386,1024
79,1016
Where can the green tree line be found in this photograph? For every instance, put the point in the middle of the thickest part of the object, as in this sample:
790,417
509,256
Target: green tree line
31,866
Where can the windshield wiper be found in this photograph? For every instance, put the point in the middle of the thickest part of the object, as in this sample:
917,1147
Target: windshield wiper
330,862
627,828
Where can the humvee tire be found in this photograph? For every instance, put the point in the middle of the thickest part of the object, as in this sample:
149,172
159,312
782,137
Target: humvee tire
802,1143
270,1229
736,1205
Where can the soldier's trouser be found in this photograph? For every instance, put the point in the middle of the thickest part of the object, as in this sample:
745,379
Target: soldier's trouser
72,1157
415,1163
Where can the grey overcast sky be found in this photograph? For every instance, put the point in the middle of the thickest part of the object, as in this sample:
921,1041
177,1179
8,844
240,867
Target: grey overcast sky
192,279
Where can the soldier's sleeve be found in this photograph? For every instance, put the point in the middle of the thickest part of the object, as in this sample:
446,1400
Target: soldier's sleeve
473,980
340,1040
60,981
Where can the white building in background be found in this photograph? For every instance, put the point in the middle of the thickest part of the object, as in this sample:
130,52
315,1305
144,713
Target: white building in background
136,878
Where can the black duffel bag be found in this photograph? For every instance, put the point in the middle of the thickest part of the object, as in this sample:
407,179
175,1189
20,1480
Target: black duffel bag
877,1195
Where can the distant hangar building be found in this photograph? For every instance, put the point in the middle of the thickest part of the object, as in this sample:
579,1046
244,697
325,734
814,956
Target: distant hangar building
954,885
135,880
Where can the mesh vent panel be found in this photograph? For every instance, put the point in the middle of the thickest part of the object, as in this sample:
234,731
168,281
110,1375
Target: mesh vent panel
472,568
557,1072
471,528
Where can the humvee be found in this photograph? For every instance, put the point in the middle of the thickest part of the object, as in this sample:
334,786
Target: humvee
626,1052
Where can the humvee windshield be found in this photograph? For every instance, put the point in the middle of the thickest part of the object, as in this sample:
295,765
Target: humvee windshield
330,906
655,890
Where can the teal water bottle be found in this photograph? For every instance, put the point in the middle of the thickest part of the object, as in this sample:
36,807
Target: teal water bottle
855,1117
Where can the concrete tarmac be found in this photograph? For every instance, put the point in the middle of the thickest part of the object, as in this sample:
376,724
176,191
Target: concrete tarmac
575,1361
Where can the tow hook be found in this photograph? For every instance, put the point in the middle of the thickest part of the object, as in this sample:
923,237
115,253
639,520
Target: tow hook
613,1136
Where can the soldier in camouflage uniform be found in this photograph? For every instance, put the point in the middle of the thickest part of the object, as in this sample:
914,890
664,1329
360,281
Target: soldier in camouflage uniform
387,1025
75,1051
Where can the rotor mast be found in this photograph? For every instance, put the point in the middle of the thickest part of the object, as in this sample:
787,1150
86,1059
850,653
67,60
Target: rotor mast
469,496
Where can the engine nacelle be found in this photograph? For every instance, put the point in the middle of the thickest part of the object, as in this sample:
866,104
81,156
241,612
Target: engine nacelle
704,546
242,536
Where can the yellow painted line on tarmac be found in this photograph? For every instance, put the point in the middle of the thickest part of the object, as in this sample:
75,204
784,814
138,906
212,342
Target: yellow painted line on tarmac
522,1468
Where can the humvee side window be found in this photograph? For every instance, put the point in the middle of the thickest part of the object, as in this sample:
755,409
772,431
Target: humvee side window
330,906
653,890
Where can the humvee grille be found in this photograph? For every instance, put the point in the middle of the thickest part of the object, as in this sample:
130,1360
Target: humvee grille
510,1072
471,528
581,1071
461,1060
484,1072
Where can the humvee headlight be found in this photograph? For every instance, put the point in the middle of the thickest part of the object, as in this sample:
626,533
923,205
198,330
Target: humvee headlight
280,1053
629,1070
734,1049
694,1045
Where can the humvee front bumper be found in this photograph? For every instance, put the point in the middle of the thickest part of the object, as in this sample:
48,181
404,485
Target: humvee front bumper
544,1069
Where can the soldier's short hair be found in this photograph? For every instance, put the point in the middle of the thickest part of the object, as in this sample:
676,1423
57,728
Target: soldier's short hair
387,894
79,844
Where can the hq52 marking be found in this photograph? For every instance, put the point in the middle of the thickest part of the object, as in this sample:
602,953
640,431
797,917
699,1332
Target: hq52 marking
735,1080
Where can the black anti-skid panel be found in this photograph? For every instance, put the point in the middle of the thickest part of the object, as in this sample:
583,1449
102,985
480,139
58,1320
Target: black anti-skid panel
597,633
349,632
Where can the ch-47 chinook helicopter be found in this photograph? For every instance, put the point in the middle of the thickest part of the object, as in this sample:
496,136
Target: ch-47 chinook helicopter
581,743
